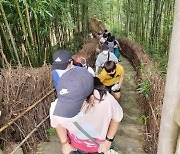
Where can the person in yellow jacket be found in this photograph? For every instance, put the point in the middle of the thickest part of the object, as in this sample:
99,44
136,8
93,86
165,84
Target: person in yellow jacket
112,77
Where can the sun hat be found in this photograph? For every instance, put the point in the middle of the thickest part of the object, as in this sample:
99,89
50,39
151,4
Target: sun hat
75,85
61,59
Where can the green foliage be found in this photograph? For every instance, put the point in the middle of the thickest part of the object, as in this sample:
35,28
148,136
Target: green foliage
141,21
143,119
97,9
128,78
33,23
51,131
144,88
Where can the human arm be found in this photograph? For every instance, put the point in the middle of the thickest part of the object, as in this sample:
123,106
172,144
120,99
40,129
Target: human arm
97,64
119,84
105,146
118,45
97,68
62,133
120,72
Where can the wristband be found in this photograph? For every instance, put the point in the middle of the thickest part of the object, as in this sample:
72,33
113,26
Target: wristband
108,139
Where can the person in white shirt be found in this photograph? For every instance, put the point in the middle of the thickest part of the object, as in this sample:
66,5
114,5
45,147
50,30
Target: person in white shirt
100,116
104,56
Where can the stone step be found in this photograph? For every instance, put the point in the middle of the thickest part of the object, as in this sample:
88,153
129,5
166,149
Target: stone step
128,145
132,131
49,148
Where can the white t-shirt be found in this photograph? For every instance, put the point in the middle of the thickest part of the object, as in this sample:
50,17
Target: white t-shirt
90,70
101,59
95,121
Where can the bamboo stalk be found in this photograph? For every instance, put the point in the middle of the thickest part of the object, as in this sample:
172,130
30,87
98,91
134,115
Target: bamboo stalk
45,55
10,33
152,110
24,50
4,58
24,112
23,25
29,24
36,127
4,35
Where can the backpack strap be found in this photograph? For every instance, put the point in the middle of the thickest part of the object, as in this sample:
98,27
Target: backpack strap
108,56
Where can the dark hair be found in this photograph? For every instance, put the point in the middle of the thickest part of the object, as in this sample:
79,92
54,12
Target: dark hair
110,39
109,34
105,35
100,88
113,37
109,66
105,30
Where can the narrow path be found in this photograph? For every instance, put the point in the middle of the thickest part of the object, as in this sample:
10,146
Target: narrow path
129,138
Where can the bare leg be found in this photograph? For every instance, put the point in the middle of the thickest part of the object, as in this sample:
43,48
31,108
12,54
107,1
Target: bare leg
117,95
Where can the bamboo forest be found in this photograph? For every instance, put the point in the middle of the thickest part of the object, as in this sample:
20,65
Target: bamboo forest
140,116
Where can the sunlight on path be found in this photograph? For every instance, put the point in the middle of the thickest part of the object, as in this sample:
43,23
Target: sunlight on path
129,138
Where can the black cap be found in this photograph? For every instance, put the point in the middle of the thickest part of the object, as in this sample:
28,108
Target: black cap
61,59
75,85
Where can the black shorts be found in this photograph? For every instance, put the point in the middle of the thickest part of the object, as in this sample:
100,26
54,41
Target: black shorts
109,89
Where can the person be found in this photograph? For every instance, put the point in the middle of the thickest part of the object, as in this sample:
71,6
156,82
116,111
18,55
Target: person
117,48
99,116
100,39
110,42
104,56
62,62
112,77
81,61
107,32
103,39
72,89
99,35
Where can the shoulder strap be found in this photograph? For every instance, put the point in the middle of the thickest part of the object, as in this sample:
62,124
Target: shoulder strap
85,133
108,56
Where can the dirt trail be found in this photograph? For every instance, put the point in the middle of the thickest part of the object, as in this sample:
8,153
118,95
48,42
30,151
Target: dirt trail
129,138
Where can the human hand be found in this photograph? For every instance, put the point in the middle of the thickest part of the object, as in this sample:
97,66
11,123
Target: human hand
104,147
115,87
67,148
